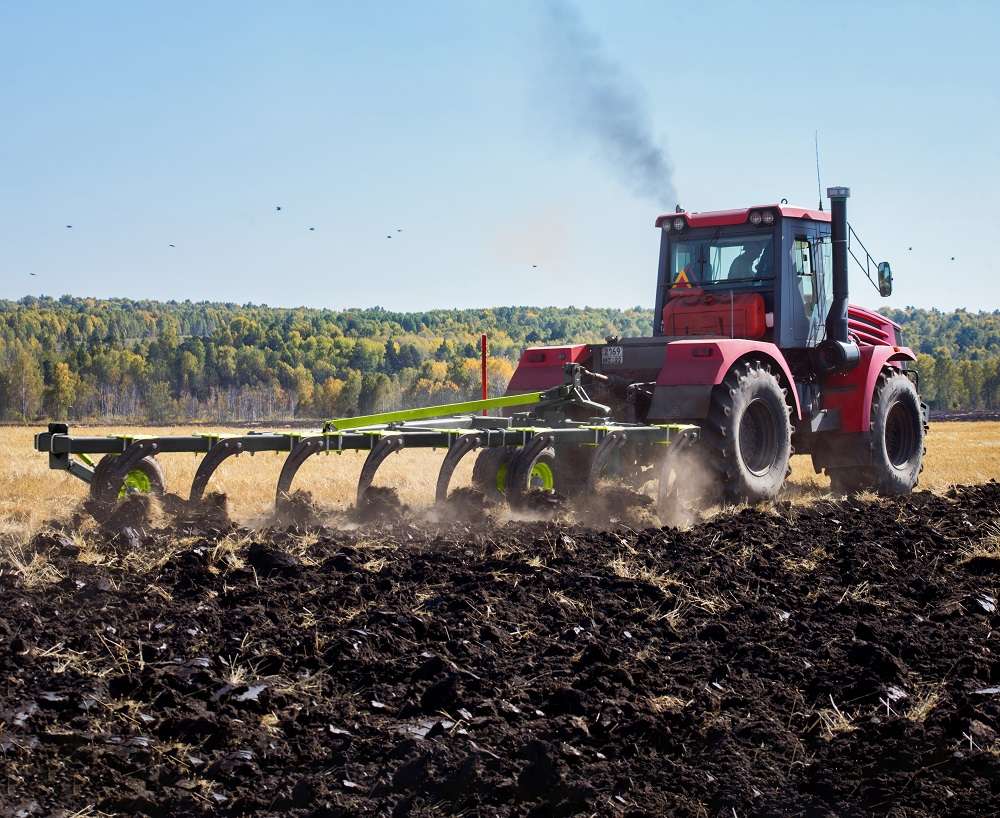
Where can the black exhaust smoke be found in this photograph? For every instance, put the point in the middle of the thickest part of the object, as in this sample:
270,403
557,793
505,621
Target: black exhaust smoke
583,87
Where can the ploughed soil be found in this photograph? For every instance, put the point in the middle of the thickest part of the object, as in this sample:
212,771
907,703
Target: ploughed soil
832,659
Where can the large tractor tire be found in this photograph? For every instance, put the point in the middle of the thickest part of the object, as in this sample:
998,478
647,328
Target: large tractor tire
898,435
748,433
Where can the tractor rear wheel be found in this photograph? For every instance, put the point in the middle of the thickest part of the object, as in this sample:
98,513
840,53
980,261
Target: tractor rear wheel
897,441
749,433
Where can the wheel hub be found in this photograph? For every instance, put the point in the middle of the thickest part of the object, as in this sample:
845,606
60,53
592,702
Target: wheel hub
900,436
757,440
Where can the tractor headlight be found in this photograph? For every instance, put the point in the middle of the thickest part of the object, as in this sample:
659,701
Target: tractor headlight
678,223
755,218
768,217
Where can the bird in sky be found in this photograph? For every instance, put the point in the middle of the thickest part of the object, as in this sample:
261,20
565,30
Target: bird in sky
277,209
533,266
69,226
311,229
952,258
389,236
32,274
909,248
171,245
399,229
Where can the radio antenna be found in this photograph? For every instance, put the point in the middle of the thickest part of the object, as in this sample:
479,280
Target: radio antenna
819,185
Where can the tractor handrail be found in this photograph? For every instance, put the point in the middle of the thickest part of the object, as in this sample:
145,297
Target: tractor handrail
869,261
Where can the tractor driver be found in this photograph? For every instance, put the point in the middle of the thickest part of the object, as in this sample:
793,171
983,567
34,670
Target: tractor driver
743,265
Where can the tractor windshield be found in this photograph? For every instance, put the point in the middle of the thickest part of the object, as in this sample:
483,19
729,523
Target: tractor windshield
746,260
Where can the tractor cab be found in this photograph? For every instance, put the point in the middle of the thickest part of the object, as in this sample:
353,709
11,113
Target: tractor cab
760,273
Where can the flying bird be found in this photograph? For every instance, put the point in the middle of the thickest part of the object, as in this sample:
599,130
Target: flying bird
389,236
909,248
312,228
952,258
277,209
533,266
69,226
171,245
32,274
399,229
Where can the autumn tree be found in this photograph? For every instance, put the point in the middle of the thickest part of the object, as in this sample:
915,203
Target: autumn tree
23,385
61,393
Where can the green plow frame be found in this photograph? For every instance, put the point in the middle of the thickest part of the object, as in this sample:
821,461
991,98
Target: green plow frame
130,463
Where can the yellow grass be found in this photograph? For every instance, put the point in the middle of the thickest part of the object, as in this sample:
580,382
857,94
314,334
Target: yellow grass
30,493
957,453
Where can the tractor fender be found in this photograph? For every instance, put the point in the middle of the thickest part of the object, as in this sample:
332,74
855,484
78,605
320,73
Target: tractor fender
705,363
850,393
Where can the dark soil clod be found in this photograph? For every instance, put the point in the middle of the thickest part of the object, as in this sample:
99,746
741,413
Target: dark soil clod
380,505
831,659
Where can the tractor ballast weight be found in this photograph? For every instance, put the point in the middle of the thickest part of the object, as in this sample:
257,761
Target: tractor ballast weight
756,353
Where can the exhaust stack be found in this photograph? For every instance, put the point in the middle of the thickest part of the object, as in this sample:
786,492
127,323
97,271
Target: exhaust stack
838,353
836,319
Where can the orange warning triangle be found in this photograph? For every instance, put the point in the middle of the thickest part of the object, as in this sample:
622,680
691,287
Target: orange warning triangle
681,280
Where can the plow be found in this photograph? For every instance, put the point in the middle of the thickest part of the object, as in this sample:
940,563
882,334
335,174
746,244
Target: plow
517,453
755,354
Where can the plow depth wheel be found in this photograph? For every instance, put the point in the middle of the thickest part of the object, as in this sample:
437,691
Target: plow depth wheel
749,433
489,474
532,469
145,477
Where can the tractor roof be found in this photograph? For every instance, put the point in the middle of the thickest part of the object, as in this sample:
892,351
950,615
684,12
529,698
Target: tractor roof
721,218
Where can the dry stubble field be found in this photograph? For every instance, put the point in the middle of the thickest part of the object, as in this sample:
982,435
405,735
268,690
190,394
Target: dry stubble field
30,494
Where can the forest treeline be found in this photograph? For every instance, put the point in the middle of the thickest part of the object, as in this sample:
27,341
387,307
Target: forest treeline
119,359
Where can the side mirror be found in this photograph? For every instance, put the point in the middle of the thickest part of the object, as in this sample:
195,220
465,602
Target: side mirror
884,279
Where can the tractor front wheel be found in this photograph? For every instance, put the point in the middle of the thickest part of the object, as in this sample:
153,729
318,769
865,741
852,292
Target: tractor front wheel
749,434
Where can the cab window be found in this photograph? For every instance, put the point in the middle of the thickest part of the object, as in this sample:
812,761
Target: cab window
805,275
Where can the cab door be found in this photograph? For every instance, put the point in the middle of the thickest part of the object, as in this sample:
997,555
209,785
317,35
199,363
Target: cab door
801,315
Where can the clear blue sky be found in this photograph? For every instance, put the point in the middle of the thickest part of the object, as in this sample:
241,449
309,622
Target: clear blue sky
149,124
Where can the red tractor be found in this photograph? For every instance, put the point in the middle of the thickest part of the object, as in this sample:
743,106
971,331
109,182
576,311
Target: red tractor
755,343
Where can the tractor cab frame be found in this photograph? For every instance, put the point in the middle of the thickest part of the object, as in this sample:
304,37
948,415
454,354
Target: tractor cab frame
771,266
